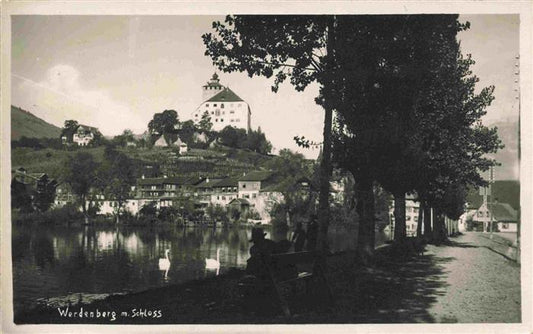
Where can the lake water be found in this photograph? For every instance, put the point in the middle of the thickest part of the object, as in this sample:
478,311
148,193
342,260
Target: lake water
54,264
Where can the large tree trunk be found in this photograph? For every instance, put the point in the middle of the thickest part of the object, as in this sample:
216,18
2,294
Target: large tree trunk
325,165
428,236
439,232
399,217
420,219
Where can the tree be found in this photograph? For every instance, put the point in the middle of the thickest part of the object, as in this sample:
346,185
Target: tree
164,124
186,132
20,197
397,110
69,128
118,173
257,142
290,168
297,47
44,194
217,213
124,138
80,174
205,123
232,137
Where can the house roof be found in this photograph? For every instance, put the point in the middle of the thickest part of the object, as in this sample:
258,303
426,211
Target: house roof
86,127
256,176
227,182
208,183
503,212
239,201
180,180
226,95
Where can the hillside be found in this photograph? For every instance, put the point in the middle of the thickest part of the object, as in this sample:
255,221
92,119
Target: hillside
219,162
24,123
504,191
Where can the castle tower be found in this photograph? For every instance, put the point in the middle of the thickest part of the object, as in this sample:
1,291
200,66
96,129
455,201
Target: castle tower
223,106
212,88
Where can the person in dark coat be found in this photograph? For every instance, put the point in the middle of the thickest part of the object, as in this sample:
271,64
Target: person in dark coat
260,253
298,238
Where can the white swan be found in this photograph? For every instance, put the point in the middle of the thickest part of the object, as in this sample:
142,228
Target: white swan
212,263
164,263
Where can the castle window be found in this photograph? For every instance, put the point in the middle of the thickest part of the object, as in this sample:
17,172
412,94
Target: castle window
207,105
231,120
239,105
196,115
237,120
222,120
216,119
212,112
232,112
214,105
222,105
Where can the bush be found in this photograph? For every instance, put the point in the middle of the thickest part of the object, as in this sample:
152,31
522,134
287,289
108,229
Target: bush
64,215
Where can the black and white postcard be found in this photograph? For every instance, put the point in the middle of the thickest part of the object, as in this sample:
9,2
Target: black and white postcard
339,166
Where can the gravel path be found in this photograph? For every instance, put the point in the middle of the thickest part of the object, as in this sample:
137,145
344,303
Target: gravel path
482,286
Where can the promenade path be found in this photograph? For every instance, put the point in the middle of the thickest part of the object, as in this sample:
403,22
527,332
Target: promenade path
482,285
463,281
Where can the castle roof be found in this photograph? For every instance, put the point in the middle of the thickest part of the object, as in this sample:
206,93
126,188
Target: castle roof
226,95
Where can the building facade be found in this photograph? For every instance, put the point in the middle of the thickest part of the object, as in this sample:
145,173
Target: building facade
223,106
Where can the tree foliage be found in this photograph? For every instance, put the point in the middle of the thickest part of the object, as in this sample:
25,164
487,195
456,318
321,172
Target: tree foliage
164,124
205,123
408,113
295,48
118,176
80,175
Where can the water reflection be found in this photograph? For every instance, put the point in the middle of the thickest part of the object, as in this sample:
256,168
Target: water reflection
55,261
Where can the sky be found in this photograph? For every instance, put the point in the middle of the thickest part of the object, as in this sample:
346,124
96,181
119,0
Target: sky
115,72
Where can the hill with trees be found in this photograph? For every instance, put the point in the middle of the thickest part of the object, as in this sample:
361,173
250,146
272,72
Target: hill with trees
25,124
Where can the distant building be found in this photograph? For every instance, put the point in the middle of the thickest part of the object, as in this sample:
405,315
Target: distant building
463,220
412,208
223,106
166,191
503,216
82,135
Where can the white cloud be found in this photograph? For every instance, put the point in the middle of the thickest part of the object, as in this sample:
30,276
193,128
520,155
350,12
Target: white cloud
61,96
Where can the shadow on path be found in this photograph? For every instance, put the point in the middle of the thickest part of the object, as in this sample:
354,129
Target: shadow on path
400,291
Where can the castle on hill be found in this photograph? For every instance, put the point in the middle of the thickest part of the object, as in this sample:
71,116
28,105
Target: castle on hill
223,106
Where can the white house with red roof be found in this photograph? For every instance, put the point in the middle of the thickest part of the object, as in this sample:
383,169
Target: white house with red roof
223,106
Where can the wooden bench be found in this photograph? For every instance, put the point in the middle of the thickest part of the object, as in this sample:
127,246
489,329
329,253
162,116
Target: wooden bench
290,268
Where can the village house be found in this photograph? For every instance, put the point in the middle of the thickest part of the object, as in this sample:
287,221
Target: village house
260,192
34,184
165,190
82,135
223,106
224,191
503,216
